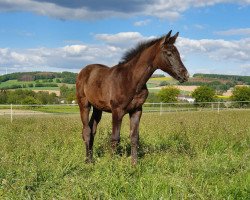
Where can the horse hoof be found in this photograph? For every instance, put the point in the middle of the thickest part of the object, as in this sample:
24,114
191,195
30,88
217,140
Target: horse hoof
88,161
134,162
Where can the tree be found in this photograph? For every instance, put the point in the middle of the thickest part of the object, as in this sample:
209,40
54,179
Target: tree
68,93
168,94
153,98
203,94
29,100
3,97
58,80
241,94
164,83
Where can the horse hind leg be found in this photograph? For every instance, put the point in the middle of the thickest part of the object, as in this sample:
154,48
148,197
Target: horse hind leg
85,106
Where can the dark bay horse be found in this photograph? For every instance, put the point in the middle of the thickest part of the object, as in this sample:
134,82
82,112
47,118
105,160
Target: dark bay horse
122,89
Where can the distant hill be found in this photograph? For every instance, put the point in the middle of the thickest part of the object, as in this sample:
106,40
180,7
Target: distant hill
64,77
53,80
221,83
35,80
235,78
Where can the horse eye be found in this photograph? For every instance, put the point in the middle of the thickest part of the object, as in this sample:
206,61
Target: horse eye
169,53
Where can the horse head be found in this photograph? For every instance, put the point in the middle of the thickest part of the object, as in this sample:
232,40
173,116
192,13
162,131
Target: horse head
169,59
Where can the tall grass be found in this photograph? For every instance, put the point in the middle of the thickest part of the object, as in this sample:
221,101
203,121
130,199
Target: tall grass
195,155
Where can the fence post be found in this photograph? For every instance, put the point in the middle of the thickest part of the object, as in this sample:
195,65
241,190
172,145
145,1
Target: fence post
218,110
11,113
161,108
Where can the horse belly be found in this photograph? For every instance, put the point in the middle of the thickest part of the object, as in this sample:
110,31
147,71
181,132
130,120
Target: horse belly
98,97
100,104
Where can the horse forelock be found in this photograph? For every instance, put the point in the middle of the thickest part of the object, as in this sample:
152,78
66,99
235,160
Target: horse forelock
141,46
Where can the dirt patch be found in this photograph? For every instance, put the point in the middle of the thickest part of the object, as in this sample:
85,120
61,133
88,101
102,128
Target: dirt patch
187,88
19,112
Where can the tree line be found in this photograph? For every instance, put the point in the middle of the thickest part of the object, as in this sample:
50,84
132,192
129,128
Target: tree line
29,97
201,94
167,94
237,78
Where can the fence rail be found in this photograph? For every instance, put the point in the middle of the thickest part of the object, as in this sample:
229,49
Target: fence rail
161,108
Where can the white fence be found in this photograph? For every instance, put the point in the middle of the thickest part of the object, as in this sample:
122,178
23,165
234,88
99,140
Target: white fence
14,110
203,106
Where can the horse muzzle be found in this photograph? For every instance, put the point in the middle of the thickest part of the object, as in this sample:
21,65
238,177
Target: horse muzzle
183,78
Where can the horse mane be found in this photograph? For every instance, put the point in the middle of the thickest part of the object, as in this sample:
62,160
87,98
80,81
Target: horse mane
141,46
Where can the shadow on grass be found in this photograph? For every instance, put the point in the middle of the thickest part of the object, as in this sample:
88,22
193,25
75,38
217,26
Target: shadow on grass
175,143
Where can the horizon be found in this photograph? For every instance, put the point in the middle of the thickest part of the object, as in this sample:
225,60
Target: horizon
58,36
163,73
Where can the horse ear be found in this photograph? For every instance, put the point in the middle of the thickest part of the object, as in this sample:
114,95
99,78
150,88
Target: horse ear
173,38
169,33
166,38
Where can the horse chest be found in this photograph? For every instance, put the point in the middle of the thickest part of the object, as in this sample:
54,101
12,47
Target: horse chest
138,100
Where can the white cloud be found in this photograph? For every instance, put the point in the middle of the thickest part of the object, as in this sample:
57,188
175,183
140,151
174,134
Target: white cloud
119,37
73,57
19,58
75,50
142,22
245,69
94,10
122,39
69,57
246,66
240,31
237,50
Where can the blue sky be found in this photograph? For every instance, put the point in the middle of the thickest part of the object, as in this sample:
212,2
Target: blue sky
60,35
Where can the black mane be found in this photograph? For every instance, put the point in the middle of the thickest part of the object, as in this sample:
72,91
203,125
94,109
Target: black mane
131,53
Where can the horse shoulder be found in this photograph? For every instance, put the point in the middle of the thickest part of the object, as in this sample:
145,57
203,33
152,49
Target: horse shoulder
139,98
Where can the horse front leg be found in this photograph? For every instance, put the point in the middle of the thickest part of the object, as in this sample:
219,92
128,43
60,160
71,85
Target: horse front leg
117,116
135,117
95,119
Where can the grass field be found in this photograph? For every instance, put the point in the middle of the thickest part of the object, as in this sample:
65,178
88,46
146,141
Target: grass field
154,82
161,79
194,155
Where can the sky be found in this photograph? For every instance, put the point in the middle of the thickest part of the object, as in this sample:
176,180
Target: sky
67,35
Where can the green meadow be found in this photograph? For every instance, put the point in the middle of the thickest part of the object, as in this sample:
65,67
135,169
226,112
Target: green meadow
189,155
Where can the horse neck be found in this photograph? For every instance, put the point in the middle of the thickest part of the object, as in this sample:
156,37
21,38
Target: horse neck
142,68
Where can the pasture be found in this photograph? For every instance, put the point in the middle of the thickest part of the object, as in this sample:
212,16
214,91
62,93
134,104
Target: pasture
189,155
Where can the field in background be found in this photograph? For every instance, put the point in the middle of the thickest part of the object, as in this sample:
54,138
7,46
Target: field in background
190,155
154,84
10,83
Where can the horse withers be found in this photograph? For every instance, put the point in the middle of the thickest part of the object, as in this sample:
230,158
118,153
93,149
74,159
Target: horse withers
122,89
